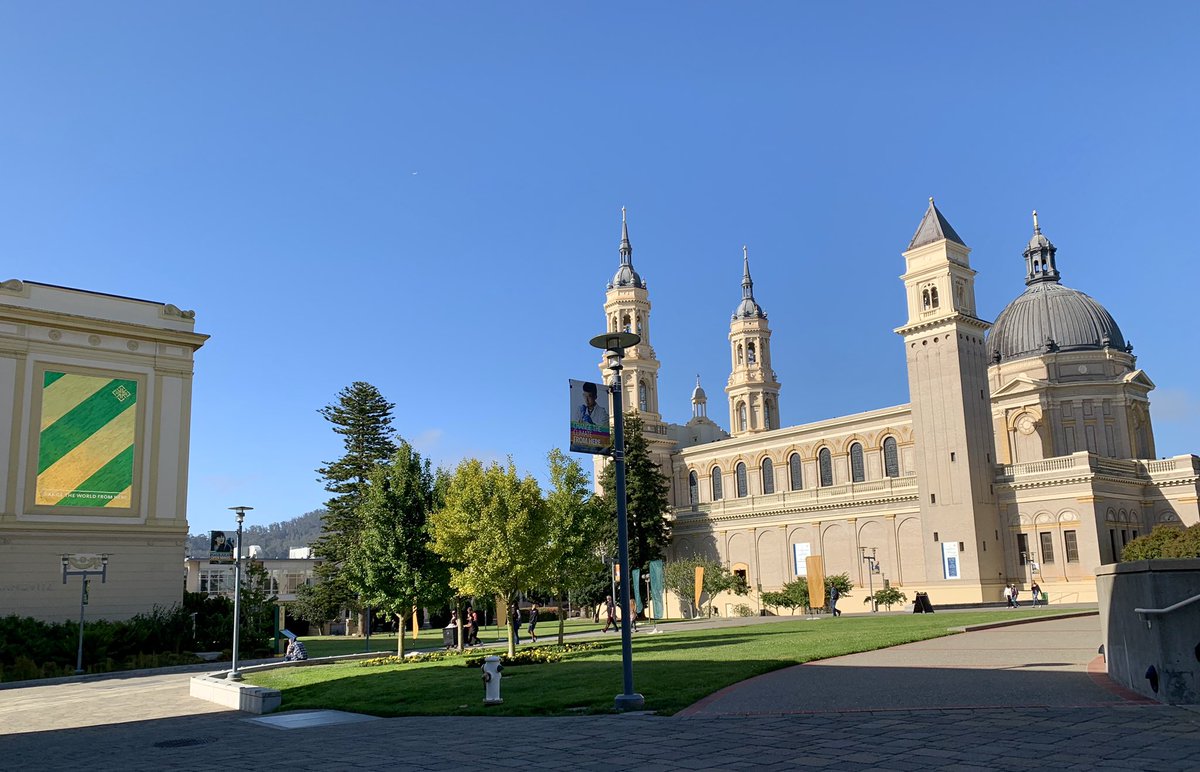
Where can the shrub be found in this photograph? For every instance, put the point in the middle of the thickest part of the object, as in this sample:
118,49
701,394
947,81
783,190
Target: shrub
743,610
1165,541
889,596
537,655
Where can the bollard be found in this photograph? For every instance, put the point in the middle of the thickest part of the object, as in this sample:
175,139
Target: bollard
492,673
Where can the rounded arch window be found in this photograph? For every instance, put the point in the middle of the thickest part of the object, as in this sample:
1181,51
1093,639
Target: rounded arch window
795,473
891,458
693,489
643,396
857,470
751,353
716,483
825,463
741,416
739,353
742,486
768,476
768,413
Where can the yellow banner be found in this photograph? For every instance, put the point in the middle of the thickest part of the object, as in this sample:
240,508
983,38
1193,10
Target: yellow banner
699,583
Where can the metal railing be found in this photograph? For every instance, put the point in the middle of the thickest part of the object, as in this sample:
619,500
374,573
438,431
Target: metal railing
1147,613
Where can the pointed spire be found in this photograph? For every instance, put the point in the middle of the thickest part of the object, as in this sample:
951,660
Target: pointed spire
626,247
747,282
933,227
625,275
1040,264
748,308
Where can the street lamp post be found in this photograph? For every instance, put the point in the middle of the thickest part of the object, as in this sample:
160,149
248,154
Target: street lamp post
615,343
872,569
84,566
1030,559
234,675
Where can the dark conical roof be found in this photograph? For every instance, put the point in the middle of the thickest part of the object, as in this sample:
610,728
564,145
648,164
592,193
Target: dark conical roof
625,275
933,227
749,307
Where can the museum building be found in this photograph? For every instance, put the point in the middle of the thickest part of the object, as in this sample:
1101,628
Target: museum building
1026,452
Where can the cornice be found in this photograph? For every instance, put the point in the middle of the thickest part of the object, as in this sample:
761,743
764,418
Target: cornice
944,321
91,324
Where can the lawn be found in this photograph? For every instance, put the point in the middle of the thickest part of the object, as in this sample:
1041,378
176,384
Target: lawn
385,643
672,670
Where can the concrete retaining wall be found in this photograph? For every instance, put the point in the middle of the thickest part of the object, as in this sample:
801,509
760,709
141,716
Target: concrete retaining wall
1169,643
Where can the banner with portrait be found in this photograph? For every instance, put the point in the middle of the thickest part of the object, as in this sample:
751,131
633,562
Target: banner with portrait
590,432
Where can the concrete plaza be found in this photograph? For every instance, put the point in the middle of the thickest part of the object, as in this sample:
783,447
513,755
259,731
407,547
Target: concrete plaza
1018,697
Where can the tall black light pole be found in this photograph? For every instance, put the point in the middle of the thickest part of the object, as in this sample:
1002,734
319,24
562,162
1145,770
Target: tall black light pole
616,343
234,675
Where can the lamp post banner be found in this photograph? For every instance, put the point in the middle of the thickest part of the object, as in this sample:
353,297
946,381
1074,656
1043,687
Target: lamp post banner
656,589
590,431
220,547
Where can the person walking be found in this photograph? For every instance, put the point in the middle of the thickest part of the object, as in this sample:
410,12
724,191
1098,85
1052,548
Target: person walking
472,631
1015,593
515,619
1037,593
834,594
610,614
1008,595
533,620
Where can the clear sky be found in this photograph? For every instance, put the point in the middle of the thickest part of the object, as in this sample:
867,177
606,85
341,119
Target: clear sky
427,197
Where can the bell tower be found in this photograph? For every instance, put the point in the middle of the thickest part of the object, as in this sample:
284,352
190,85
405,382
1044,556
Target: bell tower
753,390
627,309
951,409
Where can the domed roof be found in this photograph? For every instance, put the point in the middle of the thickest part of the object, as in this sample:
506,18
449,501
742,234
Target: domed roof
698,394
1049,317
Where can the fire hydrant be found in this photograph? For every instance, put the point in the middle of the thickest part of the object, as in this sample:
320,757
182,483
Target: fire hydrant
492,673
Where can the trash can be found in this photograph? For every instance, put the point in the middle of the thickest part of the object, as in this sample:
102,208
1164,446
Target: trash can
921,604
450,637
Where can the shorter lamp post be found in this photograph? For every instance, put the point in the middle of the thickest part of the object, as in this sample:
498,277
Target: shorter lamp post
1030,559
234,675
872,569
84,566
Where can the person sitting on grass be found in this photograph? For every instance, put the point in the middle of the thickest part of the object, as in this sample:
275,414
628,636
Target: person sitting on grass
295,651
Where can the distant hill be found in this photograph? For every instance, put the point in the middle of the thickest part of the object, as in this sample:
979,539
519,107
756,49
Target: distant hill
275,539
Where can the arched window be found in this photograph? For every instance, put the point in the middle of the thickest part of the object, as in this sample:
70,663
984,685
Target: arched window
643,396
741,416
857,471
933,298
825,462
768,476
716,483
925,299
693,489
739,353
613,325
639,324
625,323
742,487
891,459
768,413
751,355
796,477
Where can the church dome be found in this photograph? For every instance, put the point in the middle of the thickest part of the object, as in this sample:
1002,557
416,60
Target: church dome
749,307
698,394
627,277
1049,317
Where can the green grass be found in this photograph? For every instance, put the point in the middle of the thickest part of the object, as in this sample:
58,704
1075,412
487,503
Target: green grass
672,670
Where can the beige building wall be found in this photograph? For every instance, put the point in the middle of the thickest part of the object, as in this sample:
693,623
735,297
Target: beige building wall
45,328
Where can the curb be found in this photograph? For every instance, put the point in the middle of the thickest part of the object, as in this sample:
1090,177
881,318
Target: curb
1030,620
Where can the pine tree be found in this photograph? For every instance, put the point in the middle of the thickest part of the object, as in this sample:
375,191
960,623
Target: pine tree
364,420
646,501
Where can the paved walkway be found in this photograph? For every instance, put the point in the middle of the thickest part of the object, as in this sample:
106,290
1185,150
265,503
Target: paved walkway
1036,707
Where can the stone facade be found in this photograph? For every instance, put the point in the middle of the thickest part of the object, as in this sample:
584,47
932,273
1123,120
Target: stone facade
95,416
1004,467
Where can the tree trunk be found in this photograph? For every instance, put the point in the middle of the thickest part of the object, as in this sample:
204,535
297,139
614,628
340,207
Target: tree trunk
562,620
512,639
400,635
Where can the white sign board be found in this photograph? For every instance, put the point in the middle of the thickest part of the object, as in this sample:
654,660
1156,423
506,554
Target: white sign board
950,559
799,553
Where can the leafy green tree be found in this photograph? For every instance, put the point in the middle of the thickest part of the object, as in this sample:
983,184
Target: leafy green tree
646,489
393,569
1165,541
492,530
363,418
888,596
258,608
316,605
579,532
680,577
794,594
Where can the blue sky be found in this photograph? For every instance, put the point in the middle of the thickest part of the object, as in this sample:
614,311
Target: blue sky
427,197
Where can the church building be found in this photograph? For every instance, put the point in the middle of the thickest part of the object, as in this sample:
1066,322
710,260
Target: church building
1025,454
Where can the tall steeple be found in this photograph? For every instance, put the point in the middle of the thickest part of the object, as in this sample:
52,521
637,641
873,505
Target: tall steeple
1039,257
951,409
753,390
627,308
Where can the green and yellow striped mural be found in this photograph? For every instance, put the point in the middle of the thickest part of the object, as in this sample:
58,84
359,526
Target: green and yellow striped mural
86,444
